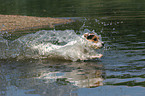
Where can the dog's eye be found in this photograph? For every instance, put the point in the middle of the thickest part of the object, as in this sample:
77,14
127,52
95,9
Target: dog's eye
95,39
90,36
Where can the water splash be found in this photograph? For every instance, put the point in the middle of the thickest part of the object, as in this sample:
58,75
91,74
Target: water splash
49,44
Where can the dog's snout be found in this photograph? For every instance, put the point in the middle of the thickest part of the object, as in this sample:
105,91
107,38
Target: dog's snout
102,43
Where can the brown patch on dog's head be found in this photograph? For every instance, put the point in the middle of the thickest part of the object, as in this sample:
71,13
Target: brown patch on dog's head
91,37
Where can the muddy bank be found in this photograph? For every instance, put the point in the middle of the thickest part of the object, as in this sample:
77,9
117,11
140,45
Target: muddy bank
13,23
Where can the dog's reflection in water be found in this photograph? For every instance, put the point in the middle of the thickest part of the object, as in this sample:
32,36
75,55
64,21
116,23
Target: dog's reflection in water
81,74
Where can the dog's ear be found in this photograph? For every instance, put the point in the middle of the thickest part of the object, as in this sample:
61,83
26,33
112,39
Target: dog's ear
86,35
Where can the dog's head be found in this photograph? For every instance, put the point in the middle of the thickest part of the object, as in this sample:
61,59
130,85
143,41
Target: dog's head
94,40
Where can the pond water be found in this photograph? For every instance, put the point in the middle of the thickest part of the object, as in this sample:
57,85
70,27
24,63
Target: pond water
120,72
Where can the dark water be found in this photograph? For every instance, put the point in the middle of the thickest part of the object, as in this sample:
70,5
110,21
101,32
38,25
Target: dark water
121,72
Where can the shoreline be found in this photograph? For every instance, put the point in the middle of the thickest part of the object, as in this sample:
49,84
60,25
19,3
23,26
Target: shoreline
11,23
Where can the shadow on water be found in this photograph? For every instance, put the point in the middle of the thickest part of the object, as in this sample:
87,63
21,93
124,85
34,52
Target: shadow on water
51,78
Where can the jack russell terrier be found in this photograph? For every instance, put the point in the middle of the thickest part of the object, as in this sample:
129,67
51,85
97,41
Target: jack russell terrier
95,42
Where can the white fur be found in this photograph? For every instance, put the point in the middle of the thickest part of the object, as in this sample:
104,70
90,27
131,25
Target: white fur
79,49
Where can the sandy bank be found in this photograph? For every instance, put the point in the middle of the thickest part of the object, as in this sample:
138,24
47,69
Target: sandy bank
15,22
